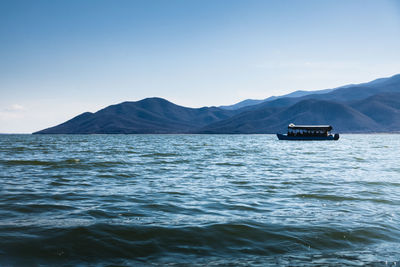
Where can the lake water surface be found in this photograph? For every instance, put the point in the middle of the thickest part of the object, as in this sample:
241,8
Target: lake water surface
211,200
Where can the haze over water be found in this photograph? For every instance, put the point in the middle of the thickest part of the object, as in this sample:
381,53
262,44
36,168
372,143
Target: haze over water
199,199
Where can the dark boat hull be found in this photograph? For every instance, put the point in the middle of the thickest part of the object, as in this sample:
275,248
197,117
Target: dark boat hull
308,138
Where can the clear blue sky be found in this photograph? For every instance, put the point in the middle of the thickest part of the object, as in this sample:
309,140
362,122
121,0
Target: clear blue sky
61,58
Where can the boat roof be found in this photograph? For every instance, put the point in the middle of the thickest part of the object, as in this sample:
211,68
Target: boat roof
310,127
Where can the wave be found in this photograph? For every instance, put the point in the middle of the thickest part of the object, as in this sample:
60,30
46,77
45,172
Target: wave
61,164
102,242
344,198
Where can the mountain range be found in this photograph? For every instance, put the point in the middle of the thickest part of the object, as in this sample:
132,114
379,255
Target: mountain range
367,107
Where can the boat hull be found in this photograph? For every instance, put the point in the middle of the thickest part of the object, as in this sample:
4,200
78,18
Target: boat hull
308,138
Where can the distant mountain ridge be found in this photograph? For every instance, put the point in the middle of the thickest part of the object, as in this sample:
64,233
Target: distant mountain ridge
302,93
368,107
150,115
251,102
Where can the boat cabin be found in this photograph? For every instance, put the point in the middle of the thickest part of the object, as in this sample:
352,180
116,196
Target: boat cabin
309,130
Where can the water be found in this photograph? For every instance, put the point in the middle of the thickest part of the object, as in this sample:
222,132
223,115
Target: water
211,200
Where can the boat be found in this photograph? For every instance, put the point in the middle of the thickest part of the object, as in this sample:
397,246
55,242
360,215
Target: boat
308,133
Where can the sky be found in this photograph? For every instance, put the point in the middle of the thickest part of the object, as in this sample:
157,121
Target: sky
61,58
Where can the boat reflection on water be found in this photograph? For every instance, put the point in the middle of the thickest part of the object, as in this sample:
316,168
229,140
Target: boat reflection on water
308,132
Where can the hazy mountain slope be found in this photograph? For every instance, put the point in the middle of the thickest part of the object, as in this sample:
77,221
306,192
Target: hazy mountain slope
382,108
310,111
245,103
377,113
151,115
252,102
245,122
